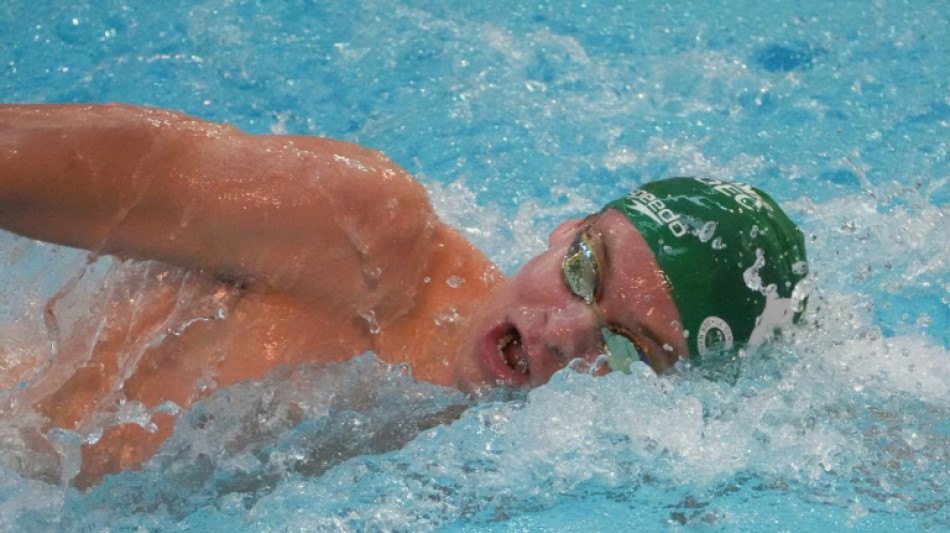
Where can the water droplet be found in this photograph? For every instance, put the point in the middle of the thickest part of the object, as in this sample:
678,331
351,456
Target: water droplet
450,316
373,273
707,231
94,437
800,268
455,282
754,231
717,244
370,318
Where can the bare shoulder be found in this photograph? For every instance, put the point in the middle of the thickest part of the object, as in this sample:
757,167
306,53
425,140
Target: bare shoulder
322,218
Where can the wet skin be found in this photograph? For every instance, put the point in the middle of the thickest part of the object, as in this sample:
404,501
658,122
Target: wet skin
280,226
533,325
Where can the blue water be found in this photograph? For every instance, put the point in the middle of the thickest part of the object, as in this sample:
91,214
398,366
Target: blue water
516,115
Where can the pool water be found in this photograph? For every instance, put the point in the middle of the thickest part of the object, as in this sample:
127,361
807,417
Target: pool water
516,115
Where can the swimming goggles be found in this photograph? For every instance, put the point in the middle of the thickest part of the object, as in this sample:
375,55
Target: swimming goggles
583,275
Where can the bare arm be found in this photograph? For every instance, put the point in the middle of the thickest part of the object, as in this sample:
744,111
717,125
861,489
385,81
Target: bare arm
309,216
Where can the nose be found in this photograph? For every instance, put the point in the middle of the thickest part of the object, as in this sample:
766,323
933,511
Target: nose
570,332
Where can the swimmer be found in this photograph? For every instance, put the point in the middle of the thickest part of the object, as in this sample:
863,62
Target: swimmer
323,250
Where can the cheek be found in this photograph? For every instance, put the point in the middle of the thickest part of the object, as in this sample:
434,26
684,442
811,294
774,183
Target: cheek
573,329
636,285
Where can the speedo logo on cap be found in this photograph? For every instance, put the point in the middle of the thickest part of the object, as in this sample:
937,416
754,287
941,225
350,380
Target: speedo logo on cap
653,208
743,194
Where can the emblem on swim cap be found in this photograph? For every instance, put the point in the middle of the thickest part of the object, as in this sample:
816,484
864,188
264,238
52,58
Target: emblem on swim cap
714,335
731,257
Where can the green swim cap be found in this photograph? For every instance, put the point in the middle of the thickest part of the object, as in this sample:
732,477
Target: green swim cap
731,257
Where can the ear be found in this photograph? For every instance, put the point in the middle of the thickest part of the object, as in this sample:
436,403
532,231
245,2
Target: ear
568,227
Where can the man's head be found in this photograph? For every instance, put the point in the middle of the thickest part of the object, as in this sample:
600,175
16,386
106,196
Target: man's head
678,268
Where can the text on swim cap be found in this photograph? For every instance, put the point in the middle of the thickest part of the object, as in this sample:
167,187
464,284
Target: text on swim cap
743,194
649,205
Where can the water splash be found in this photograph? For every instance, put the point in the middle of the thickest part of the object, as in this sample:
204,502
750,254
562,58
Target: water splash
751,274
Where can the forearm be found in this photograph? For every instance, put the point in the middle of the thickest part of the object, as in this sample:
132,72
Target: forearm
70,173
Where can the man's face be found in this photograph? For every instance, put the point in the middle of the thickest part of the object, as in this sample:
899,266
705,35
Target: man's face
535,324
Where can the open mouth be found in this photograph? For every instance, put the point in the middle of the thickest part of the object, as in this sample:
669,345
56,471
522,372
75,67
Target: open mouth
513,353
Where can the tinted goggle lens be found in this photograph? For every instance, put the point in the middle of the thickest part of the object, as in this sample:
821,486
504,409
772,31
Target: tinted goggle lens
581,269
621,351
